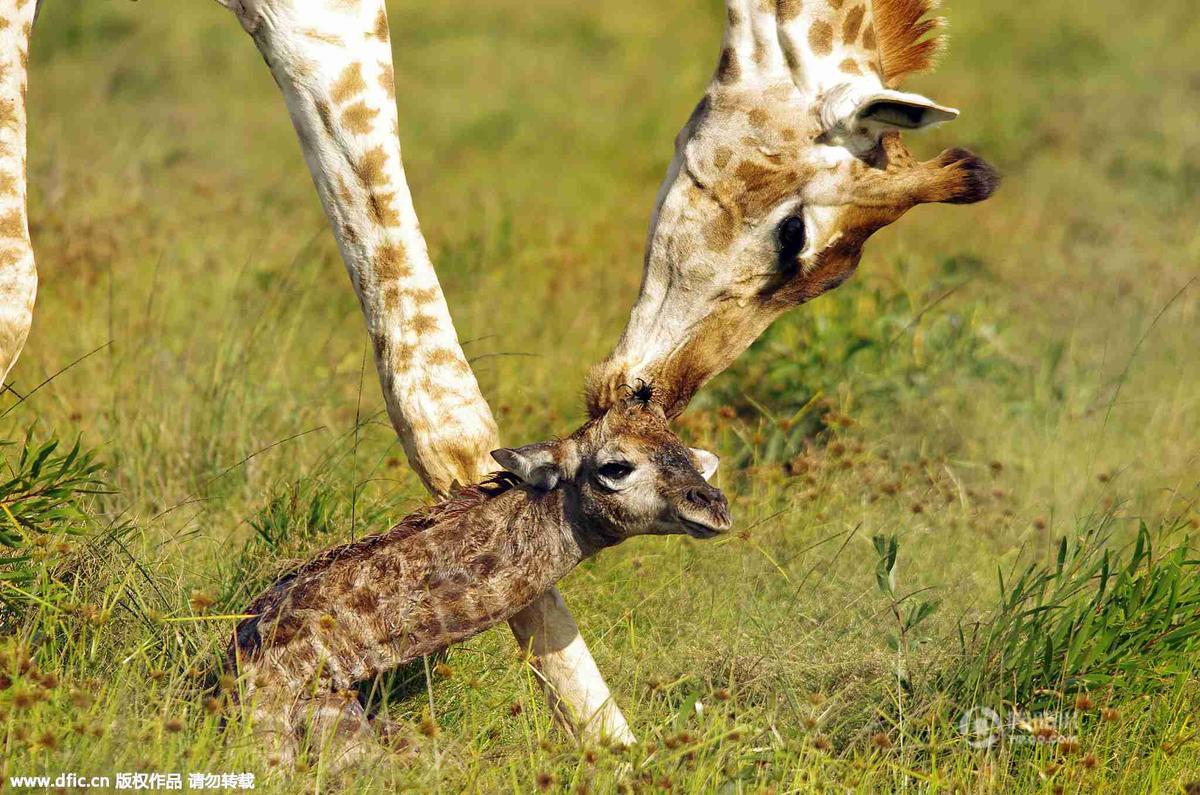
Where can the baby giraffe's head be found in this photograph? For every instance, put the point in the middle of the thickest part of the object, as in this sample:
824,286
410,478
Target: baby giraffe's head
629,474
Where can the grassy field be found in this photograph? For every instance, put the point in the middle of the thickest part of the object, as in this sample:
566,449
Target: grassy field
1003,389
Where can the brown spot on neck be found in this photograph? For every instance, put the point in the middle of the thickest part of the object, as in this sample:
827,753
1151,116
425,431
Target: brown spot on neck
381,208
358,118
349,84
820,38
787,10
851,25
381,25
369,169
387,79
391,263
12,224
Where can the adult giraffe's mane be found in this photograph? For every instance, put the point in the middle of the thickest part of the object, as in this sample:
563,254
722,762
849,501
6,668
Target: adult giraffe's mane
910,38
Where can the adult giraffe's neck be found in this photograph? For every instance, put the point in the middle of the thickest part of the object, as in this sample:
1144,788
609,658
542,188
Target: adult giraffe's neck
342,103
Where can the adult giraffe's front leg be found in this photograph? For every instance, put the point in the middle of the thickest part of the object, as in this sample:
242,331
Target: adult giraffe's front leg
18,275
333,62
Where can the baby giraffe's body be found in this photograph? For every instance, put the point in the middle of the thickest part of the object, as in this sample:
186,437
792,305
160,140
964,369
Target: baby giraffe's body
452,570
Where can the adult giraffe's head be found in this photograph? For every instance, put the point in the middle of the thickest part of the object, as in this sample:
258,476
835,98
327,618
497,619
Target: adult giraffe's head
789,163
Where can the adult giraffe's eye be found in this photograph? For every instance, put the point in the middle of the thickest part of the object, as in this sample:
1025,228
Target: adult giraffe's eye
791,240
615,470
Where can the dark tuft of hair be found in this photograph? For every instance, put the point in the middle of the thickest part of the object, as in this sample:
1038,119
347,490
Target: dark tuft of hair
640,393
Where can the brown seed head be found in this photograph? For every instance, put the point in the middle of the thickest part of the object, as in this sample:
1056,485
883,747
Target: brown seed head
429,727
1068,745
200,601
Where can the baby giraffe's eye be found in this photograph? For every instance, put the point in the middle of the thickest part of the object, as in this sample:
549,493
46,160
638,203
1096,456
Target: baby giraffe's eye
615,470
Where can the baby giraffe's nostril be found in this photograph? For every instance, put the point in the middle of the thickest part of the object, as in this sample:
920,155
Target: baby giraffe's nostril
707,498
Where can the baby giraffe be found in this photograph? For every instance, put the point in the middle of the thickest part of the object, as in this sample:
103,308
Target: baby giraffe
447,572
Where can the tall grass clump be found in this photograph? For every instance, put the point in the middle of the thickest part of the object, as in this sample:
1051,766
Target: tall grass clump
1099,618
44,517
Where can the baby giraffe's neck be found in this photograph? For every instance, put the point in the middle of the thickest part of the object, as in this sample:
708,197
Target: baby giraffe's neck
520,544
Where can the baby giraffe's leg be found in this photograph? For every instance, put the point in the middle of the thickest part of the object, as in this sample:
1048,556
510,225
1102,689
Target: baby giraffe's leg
338,729
18,275
273,724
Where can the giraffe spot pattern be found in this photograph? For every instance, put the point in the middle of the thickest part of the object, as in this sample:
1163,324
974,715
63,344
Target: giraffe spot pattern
322,36
326,117
381,208
787,10
391,262
12,224
423,324
851,25
358,118
349,84
820,38
721,157
370,168
387,79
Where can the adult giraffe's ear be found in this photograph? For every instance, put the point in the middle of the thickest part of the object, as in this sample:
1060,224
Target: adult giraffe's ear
859,118
535,464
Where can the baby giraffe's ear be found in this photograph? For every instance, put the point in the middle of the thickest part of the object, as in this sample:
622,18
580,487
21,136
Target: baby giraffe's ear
534,464
706,462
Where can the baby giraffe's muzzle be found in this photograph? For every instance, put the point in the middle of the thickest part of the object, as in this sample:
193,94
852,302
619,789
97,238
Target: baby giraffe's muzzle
704,511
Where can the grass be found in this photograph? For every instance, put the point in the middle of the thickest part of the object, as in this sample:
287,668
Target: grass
1004,397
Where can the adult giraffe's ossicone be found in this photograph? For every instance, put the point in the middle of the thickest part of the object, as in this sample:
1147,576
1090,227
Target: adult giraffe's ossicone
789,163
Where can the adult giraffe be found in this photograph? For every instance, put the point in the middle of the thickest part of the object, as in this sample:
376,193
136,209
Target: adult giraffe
788,164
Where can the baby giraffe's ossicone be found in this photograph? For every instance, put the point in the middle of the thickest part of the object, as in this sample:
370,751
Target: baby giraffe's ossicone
452,570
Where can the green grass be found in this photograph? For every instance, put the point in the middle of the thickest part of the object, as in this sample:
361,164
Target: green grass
997,384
